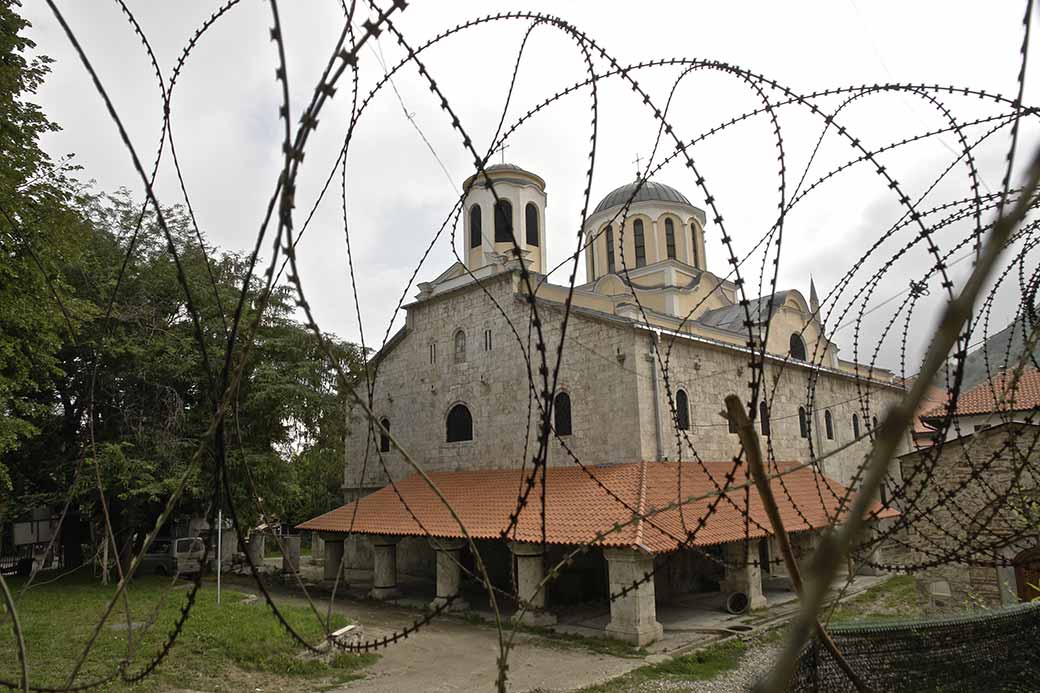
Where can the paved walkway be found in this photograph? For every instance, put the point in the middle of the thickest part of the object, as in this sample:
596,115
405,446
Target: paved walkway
453,654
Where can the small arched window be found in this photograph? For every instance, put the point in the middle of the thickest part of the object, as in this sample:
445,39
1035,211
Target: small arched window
503,222
610,249
828,425
803,423
384,439
763,417
531,224
797,347
874,420
460,347
475,230
855,426
640,242
460,424
669,237
562,414
682,410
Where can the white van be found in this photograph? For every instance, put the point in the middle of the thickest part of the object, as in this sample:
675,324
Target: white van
188,552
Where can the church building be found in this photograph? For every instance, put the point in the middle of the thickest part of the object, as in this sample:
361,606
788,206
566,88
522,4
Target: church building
654,342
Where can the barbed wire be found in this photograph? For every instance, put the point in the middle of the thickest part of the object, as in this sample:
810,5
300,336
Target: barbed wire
542,329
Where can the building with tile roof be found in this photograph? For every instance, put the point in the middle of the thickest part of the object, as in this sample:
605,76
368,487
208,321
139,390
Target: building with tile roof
654,342
1000,399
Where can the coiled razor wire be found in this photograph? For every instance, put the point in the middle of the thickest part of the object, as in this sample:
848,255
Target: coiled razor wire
927,226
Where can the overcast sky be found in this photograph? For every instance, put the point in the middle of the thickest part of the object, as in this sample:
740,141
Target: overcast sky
224,119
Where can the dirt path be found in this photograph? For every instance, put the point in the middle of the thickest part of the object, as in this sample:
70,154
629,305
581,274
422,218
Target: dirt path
452,655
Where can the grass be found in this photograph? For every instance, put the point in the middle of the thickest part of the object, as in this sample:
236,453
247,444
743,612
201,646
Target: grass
606,646
896,599
702,665
232,647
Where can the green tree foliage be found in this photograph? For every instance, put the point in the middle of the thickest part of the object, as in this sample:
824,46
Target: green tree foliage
99,381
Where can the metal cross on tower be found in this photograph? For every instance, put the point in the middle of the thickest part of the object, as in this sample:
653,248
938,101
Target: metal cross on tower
501,149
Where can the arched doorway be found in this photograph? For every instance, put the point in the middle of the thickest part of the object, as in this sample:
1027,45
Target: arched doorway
1027,574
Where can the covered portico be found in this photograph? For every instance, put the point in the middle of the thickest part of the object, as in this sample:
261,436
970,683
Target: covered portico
624,518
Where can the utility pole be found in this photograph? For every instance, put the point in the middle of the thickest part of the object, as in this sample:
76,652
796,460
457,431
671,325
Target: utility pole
220,556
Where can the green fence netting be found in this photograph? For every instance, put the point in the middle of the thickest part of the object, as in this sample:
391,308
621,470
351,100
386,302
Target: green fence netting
992,651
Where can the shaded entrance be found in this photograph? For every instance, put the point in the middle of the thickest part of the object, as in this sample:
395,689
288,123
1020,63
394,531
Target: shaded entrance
1027,574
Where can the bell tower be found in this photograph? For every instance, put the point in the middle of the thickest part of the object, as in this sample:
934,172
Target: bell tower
491,227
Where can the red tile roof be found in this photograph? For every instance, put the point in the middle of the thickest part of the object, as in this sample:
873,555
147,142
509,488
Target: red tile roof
991,396
577,508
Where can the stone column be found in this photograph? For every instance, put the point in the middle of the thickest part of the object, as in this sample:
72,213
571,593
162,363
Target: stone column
742,572
333,555
291,553
633,617
317,549
873,555
777,565
530,569
384,566
449,573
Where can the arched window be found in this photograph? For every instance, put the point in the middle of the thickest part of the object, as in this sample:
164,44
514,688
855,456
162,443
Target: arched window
763,417
682,410
475,230
855,426
460,424
803,423
640,242
828,425
562,414
797,347
874,420
460,347
693,243
669,237
503,222
384,439
610,249
531,223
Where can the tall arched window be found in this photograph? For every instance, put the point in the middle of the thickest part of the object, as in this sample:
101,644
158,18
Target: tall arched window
503,222
763,417
610,249
384,439
682,410
874,420
562,414
640,242
475,230
855,426
460,347
803,423
669,237
828,425
460,424
531,224
797,347
693,244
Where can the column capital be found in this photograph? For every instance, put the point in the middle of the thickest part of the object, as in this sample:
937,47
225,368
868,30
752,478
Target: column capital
524,548
383,539
447,543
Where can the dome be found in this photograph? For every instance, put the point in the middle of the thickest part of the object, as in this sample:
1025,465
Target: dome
504,170
648,191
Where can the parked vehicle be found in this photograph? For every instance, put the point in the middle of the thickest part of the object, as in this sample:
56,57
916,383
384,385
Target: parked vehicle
159,559
189,551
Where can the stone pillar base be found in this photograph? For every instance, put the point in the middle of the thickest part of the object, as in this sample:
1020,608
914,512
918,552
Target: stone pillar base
384,594
459,604
644,635
535,618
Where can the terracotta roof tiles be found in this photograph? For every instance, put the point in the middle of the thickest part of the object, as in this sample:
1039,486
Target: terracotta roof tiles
991,396
577,507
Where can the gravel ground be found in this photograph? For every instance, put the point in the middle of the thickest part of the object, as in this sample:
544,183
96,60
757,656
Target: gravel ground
754,663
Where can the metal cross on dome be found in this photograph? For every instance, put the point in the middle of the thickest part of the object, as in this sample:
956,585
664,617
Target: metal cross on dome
639,169
501,149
